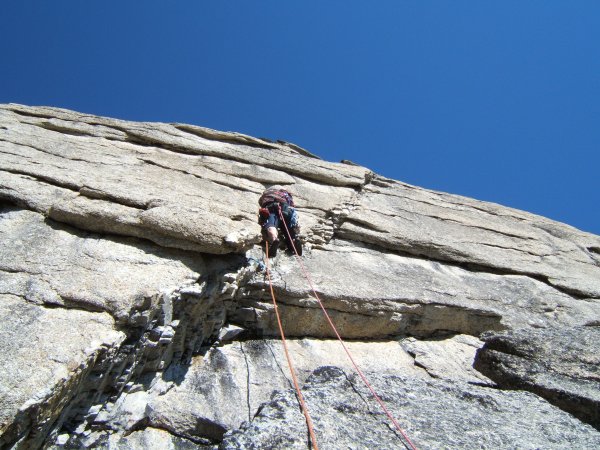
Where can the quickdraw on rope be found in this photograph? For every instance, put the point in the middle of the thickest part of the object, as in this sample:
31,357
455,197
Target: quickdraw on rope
309,423
360,373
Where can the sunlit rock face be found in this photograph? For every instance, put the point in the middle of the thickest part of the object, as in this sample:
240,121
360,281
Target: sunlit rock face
136,310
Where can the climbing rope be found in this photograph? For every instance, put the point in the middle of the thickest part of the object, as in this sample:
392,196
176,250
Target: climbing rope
360,373
309,423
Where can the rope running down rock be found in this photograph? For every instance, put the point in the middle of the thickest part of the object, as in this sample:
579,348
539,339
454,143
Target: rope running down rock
309,423
360,373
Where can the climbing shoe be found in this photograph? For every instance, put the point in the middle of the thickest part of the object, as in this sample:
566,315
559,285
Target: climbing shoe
298,246
295,243
273,248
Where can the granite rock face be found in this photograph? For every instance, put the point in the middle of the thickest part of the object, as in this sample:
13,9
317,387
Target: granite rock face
436,414
136,309
46,355
561,365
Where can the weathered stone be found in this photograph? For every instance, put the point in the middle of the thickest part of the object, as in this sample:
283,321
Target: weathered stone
47,263
434,414
189,139
371,293
149,166
150,439
180,190
451,228
561,365
447,359
50,274
222,390
45,353
153,228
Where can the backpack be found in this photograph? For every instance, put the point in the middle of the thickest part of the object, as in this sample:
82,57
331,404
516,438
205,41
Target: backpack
276,196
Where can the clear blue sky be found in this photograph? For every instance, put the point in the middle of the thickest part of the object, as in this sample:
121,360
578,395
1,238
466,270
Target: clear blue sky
499,101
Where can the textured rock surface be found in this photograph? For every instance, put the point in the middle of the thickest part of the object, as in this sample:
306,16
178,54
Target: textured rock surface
452,228
561,365
95,173
104,274
228,385
434,413
448,359
224,388
150,439
69,301
378,294
127,247
45,354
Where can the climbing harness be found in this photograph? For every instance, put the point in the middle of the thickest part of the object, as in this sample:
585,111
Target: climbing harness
309,423
360,373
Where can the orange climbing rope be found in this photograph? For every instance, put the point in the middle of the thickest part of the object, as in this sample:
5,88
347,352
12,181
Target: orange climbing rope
360,373
309,423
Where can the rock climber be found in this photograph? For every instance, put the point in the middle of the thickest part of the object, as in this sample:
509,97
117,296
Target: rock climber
276,202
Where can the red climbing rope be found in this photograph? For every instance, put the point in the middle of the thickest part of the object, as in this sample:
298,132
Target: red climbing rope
360,373
309,423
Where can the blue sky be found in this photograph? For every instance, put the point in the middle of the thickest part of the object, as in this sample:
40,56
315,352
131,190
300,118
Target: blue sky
499,101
